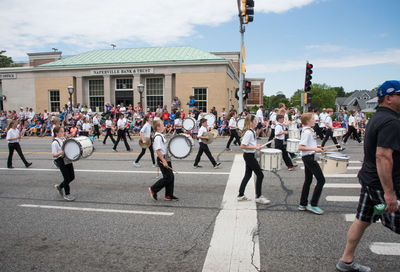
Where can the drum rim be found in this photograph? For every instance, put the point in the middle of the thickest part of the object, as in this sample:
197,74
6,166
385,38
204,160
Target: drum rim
79,144
187,140
274,150
193,122
213,116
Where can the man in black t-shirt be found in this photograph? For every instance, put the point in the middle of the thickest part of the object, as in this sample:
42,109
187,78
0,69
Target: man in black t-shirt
380,173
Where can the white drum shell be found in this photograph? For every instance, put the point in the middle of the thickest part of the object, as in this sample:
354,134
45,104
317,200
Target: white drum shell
270,159
240,123
210,119
180,146
293,126
334,163
78,148
337,132
294,134
189,123
292,145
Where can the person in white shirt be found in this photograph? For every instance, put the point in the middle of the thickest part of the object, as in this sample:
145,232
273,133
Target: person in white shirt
121,124
146,132
249,146
280,133
317,129
164,162
308,147
352,127
203,147
260,119
273,121
329,131
86,128
96,124
233,130
13,137
65,165
178,123
109,129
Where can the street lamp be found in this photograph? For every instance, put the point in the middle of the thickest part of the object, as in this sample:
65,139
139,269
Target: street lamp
70,91
140,88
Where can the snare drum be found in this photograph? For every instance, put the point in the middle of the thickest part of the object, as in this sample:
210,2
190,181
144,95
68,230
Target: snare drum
292,145
77,148
338,132
240,123
189,123
210,119
180,146
334,163
270,159
294,134
293,126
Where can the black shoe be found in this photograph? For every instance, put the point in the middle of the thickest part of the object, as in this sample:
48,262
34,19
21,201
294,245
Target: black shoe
152,194
28,164
171,198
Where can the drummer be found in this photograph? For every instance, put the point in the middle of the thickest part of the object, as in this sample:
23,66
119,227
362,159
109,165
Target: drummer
233,129
308,147
65,165
280,133
203,147
329,131
145,132
178,123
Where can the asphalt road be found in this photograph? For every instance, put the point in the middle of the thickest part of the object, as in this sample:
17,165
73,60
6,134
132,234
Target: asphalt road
122,229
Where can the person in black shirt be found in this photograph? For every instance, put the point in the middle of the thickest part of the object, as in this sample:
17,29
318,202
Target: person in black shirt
380,173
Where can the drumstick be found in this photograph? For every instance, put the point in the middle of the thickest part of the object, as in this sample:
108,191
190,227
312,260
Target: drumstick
267,143
330,149
172,169
329,146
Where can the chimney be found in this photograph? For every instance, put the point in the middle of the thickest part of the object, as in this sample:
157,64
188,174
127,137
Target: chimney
36,59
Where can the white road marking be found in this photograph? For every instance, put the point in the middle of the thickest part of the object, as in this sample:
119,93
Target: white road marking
342,185
343,198
385,248
348,167
320,162
95,210
234,244
340,175
115,171
349,217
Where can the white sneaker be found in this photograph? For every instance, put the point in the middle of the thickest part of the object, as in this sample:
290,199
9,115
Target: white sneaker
69,197
262,200
243,198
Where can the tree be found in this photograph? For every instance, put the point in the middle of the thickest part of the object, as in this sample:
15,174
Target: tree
323,96
273,101
4,60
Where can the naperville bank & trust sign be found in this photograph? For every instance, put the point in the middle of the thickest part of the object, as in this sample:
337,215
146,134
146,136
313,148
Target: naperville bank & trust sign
124,71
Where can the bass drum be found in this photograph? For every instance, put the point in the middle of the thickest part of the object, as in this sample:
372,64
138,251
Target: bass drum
180,146
210,119
77,148
189,123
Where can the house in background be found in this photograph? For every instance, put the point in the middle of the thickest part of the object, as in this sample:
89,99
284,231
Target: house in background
357,101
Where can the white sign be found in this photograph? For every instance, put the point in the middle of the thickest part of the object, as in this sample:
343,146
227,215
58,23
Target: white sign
8,76
124,71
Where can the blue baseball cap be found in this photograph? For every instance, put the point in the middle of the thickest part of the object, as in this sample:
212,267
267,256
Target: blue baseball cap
388,87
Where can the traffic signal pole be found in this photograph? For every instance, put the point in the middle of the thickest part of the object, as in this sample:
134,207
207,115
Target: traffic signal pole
242,30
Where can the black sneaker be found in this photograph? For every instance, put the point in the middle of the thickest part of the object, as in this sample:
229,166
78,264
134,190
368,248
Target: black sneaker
344,267
28,164
152,194
171,198
59,190
217,165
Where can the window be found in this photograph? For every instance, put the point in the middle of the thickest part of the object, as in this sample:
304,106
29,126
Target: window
96,94
200,97
54,99
154,93
123,83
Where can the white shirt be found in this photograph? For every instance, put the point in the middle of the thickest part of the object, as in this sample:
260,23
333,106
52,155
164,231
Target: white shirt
56,146
202,131
146,130
232,123
95,121
260,116
122,109
108,123
273,119
86,127
279,129
316,117
13,133
328,121
322,117
307,139
178,122
121,123
352,121
160,143
156,118
249,139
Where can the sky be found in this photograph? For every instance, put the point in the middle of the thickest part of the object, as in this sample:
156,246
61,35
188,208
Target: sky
351,43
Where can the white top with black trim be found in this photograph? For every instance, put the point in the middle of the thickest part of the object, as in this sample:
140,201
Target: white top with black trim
328,121
108,123
232,123
307,139
146,130
249,139
279,129
12,133
202,131
160,143
56,146
273,119
352,121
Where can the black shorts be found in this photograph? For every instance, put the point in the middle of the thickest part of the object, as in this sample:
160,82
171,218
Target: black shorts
259,125
365,212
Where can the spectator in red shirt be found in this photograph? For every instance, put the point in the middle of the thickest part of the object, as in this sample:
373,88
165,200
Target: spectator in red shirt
165,117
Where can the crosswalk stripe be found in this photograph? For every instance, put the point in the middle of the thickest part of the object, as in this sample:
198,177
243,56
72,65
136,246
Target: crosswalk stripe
343,198
340,175
381,248
355,162
349,217
348,167
342,185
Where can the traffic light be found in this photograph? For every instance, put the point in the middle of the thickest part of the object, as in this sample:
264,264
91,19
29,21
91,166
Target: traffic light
307,84
244,94
247,87
309,98
305,98
248,11
237,93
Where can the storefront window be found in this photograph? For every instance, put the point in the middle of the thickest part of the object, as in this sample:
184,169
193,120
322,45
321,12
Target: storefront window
123,84
96,94
54,99
154,93
200,97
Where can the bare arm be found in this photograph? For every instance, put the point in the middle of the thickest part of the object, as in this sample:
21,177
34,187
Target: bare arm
384,165
161,157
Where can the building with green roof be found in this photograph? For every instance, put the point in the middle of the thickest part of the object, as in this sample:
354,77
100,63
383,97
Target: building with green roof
113,76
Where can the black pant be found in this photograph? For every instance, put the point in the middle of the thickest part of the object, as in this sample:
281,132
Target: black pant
271,136
84,133
233,135
109,134
166,181
311,167
329,133
144,151
121,134
11,148
96,131
319,131
127,133
279,145
204,148
67,170
352,130
251,165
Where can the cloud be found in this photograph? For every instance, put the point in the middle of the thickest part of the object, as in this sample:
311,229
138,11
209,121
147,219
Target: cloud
28,26
325,48
389,56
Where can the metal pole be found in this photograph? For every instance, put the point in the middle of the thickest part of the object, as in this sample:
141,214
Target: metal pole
70,103
242,29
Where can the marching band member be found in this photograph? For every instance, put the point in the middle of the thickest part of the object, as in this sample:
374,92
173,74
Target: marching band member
203,147
249,146
352,127
233,129
109,126
13,137
308,147
163,161
178,123
145,132
96,124
121,133
86,127
280,133
329,131
65,165
317,129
